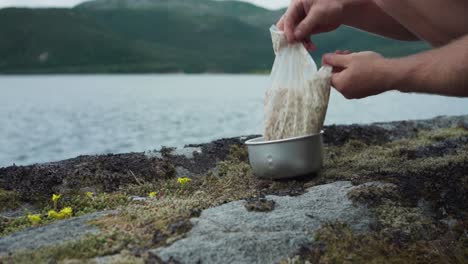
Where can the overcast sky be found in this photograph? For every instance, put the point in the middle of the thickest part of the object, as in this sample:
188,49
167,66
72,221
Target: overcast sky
272,4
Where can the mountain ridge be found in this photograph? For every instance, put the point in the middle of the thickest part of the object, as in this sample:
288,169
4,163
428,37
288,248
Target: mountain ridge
227,36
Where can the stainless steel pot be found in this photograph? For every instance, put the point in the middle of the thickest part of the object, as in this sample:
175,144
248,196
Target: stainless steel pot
286,158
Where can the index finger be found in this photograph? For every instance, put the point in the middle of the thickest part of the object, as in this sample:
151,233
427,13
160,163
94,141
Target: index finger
280,24
290,20
307,25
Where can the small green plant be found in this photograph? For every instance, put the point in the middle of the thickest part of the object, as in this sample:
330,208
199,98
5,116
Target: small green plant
89,195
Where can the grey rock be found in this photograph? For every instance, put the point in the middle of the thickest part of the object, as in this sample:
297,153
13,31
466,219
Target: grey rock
187,152
230,234
50,235
153,154
138,198
183,172
427,124
408,128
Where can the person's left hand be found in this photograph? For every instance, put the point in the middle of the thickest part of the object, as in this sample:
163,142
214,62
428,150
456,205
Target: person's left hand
358,75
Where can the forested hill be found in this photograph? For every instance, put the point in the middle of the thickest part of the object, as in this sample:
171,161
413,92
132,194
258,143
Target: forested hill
135,36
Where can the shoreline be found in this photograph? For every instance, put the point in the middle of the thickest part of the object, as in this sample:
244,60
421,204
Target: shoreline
397,189
427,123
266,72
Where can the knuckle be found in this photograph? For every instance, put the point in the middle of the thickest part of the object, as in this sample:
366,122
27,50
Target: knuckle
287,20
328,7
338,84
321,9
334,6
347,94
352,56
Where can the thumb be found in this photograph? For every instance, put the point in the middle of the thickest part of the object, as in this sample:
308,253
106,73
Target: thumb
336,81
336,60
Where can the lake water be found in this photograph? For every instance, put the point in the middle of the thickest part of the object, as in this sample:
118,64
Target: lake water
48,118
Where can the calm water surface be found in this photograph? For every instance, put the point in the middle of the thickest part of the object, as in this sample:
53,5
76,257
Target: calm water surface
48,118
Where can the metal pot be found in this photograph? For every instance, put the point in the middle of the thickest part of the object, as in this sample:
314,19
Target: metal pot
286,158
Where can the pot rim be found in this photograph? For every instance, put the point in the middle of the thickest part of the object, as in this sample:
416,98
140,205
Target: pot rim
251,142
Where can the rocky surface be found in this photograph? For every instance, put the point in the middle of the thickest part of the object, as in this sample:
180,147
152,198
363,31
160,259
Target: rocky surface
378,133
231,234
109,172
389,192
53,234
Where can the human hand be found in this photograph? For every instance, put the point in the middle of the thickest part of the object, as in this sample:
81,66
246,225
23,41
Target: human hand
306,17
358,75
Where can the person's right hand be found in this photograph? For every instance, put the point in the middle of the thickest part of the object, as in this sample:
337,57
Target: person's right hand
361,74
306,17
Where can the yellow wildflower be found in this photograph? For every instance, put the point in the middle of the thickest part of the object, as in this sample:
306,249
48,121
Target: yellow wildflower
153,194
89,195
56,197
34,219
183,181
66,212
54,214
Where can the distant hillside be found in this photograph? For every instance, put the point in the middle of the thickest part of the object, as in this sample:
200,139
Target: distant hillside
156,36
251,14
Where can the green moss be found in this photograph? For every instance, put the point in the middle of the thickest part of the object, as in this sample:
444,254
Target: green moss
86,248
374,194
233,168
403,232
11,225
437,173
9,200
238,152
356,159
410,223
442,134
81,205
174,203
406,223
337,243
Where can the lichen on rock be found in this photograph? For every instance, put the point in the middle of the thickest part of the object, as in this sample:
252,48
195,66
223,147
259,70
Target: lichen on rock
337,243
375,193
259,205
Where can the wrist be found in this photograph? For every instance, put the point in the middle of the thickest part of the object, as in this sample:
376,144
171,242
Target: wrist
396,75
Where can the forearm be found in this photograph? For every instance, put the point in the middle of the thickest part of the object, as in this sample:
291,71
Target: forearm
441,71
367,16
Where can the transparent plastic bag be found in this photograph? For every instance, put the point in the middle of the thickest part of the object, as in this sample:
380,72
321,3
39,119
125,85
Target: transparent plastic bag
297,100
